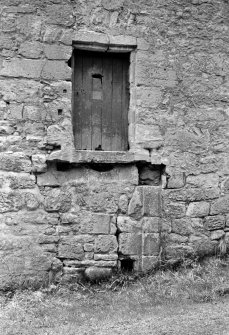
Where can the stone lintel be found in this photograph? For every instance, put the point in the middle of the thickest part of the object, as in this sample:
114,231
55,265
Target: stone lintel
89,156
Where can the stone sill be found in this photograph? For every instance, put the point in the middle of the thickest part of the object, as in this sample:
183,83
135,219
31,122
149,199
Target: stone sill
106,157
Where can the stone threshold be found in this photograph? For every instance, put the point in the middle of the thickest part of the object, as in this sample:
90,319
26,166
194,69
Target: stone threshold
89,156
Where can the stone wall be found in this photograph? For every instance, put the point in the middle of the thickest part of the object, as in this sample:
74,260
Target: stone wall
168,197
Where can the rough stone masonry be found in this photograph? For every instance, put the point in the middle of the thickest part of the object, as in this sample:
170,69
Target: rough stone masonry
63,212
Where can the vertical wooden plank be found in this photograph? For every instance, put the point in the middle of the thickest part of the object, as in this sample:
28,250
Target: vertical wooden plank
97,101
86,101
107,104
125,103
117,105
77,99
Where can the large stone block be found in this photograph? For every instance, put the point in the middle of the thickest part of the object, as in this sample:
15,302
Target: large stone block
151,224
128,225
148,136
55,135
174,209
100,196
220,206
204,180
151,244
214,222
130,243
56,70
57,200
135,208
95,223
217,234
17,162
60,13
96,274
198,209
11,201
176,180
21,181
27,68
70,247
152,200
39,163
31,49
182,226
57,51
106,244
191,194
123,203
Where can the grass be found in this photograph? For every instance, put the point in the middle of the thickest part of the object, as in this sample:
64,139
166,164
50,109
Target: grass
125,298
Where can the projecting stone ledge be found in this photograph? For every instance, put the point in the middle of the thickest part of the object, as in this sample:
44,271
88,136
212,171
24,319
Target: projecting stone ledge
89,156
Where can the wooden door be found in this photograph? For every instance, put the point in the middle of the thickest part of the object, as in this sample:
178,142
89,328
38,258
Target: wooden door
100,101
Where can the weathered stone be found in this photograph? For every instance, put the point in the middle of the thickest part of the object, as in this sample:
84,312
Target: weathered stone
135,208
130,243
182,226
55,135
88,247
53,51
176,238
97,274
100,223
152,200
39,163
57,200
60,14
32,201
11,201
214,222
123,203
225,185
191,194
204,180
220,205
22,68
5,128
128,225
17,162
31,49
38,217
16,111
217,234
174,209
32,113
102,257
151,244
198,209
21,181
55,70
55,178
69,218
149,136
106,244
70,248
151,224
176,180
